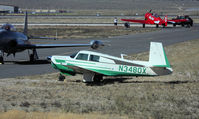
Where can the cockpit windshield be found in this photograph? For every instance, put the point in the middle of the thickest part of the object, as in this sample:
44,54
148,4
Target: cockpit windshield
155,15
8,27
73,55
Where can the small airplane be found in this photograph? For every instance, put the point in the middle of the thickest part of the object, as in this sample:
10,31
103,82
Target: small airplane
181,20
12,42
150,18
95,65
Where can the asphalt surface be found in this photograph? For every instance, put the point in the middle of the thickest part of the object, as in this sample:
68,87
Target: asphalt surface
127,44
91,24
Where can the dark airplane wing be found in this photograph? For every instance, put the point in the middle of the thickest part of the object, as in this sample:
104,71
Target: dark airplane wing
59,45
93,44
136,21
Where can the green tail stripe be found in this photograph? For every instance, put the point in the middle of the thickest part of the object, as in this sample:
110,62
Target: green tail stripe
166,59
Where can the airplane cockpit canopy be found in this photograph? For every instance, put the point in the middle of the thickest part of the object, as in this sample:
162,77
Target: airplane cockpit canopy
8,27
155,15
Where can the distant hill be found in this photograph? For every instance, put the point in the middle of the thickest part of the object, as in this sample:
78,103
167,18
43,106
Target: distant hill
103,4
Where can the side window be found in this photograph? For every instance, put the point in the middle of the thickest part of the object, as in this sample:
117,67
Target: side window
82,56
94,58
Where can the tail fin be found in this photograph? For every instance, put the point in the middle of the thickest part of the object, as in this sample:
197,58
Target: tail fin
26,24
157,56
165,20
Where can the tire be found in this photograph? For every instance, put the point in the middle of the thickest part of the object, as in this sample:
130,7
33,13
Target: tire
97,78
61,77
1,60
157,25
143,25
31,58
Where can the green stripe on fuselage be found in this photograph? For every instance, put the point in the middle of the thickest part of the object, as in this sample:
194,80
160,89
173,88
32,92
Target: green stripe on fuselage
59,61
116,73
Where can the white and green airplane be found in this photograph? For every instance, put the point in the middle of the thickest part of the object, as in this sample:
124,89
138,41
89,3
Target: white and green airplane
95,65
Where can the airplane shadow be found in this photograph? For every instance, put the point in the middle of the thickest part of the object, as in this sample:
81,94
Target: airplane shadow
29,62
109,81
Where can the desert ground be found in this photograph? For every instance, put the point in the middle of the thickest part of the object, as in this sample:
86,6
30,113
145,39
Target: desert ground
172,96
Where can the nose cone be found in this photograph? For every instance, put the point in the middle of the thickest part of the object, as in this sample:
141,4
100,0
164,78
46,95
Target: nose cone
58,59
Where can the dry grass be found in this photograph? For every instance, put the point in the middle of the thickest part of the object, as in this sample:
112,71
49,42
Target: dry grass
172,96
15,114
82,32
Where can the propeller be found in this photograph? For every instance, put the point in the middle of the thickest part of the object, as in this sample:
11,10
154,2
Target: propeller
95,44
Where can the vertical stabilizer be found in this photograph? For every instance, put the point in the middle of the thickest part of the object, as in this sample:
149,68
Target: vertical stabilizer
157,55
26,24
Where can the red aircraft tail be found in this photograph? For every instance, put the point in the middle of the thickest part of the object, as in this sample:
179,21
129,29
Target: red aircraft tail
165,20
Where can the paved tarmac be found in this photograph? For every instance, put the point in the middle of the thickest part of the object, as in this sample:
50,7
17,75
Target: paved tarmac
127,44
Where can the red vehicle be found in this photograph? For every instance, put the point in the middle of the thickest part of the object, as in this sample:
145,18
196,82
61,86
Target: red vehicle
150,18
181,20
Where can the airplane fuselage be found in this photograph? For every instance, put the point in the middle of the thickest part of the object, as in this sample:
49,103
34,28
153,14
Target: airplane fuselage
150,19
10,41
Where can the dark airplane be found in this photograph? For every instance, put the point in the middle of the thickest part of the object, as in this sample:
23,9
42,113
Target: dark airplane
12,42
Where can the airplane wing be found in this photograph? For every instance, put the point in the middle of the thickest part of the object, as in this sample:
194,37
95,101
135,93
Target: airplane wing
93,44
80,69
136,21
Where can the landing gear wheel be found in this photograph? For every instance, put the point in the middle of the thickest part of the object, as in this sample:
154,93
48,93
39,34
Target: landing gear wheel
1,60
174,25
61,77
182,25
98,78
157,25
32,58
143,25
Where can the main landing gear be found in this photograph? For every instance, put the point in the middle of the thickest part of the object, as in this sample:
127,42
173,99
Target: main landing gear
143,25
61,77
157,25
1,58
33,57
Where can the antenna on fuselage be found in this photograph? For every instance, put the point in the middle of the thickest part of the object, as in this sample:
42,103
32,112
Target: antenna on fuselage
26,24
